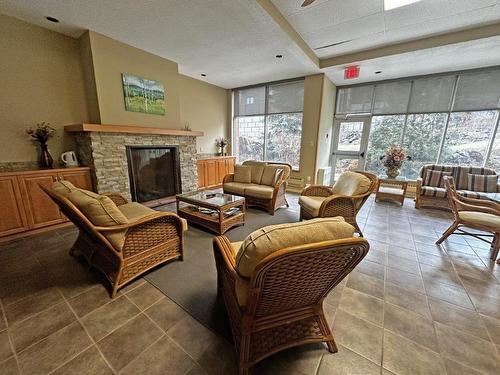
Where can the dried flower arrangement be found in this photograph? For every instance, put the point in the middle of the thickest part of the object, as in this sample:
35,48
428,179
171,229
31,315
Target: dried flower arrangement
221,143
41,134
393,159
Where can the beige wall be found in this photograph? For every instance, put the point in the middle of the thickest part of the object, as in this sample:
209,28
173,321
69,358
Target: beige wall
204,107
41,80
325,124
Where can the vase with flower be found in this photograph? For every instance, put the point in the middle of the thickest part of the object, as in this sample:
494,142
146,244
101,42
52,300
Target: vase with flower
221,144
393,159
41,134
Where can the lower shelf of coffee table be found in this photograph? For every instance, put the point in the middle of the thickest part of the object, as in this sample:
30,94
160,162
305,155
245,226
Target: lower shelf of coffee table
211,222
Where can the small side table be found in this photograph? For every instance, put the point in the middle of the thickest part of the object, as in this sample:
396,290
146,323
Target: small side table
390,192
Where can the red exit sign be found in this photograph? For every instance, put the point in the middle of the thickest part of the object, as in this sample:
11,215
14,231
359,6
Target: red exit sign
351,72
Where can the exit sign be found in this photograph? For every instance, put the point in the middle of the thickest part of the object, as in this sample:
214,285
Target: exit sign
351,72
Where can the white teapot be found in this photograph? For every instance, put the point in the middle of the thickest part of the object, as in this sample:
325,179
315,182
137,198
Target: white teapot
69,159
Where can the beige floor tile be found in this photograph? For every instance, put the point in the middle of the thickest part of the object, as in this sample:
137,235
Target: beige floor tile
5,347
358,335
448,293
362,305
90,300
493,327
145,295
347,362
89,362
487,287
371,269
166,313
55,350
440,275
402,252
416,302
405,280
32,305
39,326
467,349
455,368
438,260
304,359
486,305
404,357
410,325
366,284
457,317
162,358
105,319
128,341
9,367
403,264
376,256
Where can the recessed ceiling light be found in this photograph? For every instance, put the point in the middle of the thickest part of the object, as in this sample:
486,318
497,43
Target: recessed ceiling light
378,72
393,4
279,56
203,75
52,19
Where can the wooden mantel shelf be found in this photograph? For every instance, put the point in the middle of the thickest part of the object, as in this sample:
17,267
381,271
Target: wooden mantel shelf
104,128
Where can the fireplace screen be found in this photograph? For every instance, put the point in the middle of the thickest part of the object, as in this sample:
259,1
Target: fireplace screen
154,172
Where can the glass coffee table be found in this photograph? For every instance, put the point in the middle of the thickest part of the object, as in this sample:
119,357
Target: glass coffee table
217,212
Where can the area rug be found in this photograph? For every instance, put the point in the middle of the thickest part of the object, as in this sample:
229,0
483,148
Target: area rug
192,284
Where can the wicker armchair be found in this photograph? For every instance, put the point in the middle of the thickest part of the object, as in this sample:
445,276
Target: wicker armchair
324,201
148,241
284,303
473,213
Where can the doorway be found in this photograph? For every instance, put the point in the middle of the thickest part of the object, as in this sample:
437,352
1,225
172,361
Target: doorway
349,144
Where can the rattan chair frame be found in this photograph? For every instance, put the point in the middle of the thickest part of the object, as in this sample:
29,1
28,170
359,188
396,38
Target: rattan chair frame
285,298
149,242
339,205
278,198
458,203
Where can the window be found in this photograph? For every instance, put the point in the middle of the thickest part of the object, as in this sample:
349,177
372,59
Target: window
447,119
467,138
268,122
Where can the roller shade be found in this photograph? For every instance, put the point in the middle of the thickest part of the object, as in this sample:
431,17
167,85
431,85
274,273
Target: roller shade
432,94
250,101
478,91
391,98
355,99
286,97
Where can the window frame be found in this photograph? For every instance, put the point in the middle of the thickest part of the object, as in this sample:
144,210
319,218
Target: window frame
266,114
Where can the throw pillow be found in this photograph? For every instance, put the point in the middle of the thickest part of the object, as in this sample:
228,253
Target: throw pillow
242,174
63,187
435,178
99,209
483,183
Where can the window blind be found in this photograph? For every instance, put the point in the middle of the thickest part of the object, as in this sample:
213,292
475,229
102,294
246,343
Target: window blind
391,98
478,91
432,94
355,99
286,97
251,101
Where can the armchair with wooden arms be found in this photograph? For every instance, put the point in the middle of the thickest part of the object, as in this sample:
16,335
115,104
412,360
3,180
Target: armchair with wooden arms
473,213
278,304
122,252
345,198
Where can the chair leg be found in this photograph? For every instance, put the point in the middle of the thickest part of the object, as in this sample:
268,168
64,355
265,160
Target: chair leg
453,227
244,354
495,247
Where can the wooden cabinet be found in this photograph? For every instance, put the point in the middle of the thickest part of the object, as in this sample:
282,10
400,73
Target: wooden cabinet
211,171
25,206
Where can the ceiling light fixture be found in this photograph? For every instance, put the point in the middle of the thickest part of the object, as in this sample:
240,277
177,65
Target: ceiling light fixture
279,56
203,75
378,72
52,19
393,4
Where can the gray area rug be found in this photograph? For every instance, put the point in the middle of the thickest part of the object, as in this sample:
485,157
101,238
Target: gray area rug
192,284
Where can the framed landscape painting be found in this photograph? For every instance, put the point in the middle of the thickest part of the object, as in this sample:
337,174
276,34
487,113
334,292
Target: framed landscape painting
143,95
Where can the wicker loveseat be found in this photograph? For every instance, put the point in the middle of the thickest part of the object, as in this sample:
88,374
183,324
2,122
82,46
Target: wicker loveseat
274,284
431,192
263,184
345,198
121,239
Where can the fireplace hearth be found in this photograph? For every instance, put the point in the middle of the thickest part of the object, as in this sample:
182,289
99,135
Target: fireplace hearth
154,172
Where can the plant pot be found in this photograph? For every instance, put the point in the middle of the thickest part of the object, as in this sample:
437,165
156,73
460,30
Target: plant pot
45,160
392,172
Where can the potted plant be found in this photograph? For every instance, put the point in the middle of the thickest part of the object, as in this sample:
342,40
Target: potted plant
41,134
393,159
221,144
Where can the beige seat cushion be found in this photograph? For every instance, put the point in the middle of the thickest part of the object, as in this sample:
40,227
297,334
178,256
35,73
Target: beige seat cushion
133,212
271,175
481,218
259,191
270,239
242,174
63,187
236,188
351,183
99,209
257,169
311,204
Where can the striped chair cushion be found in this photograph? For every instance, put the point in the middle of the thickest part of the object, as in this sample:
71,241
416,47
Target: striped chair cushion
435,178
473,194
431,191
434,167
482,183
461,175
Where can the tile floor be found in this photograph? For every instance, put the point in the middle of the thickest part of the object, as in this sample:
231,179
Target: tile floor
410,307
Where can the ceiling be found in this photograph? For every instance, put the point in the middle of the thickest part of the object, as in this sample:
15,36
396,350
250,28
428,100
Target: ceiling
234,42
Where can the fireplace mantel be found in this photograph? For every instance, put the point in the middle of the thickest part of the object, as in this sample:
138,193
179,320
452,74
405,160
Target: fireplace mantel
130,129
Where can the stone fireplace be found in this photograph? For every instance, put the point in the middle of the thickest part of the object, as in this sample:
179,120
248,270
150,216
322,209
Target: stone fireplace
104,149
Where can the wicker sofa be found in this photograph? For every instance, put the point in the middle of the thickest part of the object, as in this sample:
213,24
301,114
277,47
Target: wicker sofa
121,239
263,184
431,193
274,284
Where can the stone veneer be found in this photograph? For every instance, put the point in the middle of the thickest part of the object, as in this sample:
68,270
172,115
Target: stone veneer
106,154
